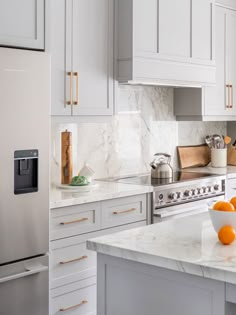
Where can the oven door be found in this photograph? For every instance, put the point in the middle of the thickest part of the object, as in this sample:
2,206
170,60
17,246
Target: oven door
183,210
24,287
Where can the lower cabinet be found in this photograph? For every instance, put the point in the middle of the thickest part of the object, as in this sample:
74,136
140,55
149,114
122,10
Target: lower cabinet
76,298
73,268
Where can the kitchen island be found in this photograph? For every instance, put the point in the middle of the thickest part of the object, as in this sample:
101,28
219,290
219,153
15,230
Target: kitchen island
176,267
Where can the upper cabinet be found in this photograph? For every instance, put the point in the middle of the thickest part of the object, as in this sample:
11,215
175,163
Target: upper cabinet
22,24
81,44
214,103
165,42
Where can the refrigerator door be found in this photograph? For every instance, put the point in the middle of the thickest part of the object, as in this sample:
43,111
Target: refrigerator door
24,288
24,125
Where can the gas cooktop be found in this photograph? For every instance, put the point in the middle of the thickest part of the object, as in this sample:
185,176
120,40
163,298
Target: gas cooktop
178,176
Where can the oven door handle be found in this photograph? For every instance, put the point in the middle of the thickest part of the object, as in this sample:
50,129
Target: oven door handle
28,272
180,213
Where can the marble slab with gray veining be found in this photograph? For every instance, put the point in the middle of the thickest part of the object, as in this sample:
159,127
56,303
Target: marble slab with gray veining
230,170
188,245
104,191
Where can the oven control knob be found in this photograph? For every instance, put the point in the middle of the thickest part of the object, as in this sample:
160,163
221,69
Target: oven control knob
193,192
160,197
210,189
216,187
179,195
199,191
204,189
173,196
188,193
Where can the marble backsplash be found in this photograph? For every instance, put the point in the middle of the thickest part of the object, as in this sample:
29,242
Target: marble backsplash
124,145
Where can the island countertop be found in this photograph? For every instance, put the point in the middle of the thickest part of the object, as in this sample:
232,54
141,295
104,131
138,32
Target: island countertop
188,245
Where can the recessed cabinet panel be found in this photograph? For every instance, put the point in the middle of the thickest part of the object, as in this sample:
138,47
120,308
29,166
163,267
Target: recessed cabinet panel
22,23
215,97
174,27
202,33
145,26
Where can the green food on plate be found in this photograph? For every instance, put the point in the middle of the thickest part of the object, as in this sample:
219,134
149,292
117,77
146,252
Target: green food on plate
79,181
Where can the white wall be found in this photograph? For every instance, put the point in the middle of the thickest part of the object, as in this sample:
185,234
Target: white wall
126,143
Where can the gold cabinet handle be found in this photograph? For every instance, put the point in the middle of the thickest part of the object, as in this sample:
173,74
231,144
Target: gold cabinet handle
74,221
73,260
230,96
70,102
125,211
76,102
73,306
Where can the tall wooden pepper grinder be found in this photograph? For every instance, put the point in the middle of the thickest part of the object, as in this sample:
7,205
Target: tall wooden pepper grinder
66,157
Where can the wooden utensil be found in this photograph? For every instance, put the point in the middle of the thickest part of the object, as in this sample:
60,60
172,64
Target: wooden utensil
227,140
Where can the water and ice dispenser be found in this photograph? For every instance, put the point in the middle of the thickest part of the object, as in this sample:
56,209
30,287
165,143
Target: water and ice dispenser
25,171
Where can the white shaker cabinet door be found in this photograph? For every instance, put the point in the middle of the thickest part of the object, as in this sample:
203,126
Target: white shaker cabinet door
231,60
92,57
22,23
60,49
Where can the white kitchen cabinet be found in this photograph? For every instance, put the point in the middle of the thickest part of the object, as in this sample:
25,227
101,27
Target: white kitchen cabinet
81,43
22,23
73,267
165,42
214,103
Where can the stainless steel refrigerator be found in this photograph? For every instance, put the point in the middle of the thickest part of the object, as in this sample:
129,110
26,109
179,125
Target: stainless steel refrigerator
24,181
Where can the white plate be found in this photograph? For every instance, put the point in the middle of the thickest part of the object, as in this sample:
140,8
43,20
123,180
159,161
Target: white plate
78,188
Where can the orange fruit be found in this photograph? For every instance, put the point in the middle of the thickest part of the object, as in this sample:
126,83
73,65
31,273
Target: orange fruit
223,206
226,235
217,205
233,201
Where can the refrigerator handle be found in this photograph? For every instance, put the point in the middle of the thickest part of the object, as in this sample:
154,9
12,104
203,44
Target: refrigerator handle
28,272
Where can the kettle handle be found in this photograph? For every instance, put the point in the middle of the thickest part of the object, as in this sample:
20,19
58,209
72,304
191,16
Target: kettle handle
164,154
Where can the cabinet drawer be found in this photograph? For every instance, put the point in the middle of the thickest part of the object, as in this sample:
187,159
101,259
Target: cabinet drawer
72,263
75,220
77,298
123,210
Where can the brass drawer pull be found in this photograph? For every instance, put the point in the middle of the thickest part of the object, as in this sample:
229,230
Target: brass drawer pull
76,74
73,306
70,102
75,221
73,260
125,211
230,96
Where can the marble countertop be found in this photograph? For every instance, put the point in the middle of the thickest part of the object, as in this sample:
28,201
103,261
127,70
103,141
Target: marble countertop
188,245
230,171
103,191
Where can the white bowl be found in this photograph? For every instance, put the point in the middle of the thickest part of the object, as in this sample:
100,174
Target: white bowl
222,218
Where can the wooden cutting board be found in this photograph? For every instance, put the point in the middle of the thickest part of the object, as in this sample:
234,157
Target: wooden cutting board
194,156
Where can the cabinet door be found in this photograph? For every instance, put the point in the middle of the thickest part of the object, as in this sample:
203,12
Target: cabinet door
92,57
219,99
22,23
215,97
175,28
60,49
230,59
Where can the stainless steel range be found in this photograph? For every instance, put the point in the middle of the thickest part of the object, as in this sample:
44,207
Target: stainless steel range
185,194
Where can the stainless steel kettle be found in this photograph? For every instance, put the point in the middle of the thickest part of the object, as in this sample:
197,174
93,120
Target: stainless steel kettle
161,167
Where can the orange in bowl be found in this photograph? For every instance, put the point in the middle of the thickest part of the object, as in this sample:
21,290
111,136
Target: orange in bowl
223,206
226,235
233,201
